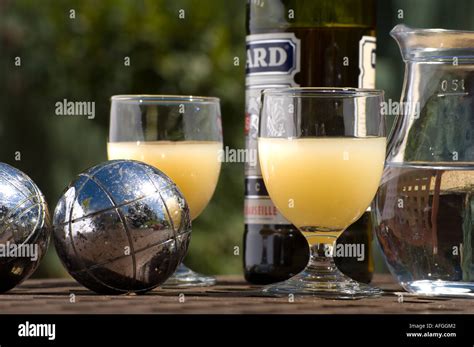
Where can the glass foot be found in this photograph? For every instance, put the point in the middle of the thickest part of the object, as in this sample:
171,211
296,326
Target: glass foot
333,285
185,277
440,288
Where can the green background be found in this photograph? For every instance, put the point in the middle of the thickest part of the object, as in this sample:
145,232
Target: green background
82,59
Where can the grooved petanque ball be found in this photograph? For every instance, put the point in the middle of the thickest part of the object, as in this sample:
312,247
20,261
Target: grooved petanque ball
121,226
24,227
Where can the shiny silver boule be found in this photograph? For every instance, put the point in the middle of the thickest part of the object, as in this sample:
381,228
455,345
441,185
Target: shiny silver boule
121,226
24,227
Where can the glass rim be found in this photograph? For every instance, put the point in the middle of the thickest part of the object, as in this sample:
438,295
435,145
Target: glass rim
405,29
164,98
327,92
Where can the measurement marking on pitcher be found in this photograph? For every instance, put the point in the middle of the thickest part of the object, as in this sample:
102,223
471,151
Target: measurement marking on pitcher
453,94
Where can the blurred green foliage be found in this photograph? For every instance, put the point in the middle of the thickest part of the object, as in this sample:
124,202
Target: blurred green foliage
82,59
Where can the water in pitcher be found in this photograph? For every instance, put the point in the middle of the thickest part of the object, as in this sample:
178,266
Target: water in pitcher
426,224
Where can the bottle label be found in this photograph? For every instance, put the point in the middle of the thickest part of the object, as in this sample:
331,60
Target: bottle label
273,60
261,210
367,45
273,55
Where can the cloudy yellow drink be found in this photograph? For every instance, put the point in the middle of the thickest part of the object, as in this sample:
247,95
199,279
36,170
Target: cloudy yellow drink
193,165
324,183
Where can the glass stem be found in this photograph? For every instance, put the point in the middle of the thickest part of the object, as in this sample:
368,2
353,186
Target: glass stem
321,261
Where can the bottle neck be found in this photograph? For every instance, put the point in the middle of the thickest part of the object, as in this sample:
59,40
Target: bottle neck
285,14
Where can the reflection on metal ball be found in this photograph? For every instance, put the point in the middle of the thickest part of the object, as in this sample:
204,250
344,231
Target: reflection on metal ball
121,226
24,227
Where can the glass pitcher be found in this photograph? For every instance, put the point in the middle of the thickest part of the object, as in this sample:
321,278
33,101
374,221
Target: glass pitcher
424,209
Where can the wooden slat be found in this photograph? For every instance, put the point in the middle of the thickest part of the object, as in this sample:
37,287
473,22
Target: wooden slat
231,295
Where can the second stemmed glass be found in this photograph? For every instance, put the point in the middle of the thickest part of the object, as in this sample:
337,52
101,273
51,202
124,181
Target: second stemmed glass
181,136
321,154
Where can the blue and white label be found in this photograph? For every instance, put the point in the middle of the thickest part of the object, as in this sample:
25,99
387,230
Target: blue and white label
273,54
367,46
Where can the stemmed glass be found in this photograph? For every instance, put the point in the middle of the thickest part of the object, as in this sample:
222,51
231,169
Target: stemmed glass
181,136
322,154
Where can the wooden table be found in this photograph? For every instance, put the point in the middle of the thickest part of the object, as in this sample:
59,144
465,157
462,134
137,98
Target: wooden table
231,295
